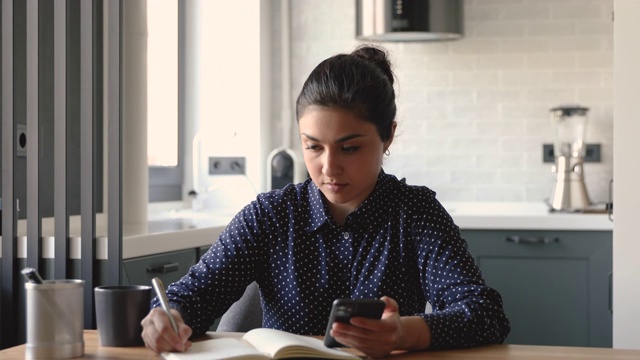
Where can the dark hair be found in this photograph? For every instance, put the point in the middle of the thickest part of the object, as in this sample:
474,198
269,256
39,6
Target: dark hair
360,82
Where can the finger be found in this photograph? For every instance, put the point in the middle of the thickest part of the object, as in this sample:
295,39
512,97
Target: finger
367,324
390,304
153,336
158,333
371,346
184,332
374,337
156,343
177,340
365,332
388,322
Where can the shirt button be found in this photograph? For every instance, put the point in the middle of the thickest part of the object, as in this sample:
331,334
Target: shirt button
345,235
344,276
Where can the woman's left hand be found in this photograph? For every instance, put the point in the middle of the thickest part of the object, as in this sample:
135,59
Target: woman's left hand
375,338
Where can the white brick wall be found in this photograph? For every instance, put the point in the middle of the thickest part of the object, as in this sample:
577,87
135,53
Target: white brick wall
473,113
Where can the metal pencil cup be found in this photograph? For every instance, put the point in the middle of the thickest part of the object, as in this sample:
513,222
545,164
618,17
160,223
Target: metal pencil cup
55,319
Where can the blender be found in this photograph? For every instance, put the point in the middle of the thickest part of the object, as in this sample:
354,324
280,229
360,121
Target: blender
569,193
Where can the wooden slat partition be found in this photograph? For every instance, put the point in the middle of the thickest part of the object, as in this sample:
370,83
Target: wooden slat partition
59,94
8,317
114,162
34,216
61,210
87,139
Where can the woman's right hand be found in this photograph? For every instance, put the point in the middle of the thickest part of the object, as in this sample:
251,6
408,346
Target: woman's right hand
158,335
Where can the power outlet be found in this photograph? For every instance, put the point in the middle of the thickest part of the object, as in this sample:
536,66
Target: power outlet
227,165
592,153
21,140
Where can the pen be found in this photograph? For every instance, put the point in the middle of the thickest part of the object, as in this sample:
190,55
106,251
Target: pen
162,296
32,275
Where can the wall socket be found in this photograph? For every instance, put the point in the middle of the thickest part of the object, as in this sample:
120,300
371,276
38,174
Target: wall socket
21,140
592,153
227,165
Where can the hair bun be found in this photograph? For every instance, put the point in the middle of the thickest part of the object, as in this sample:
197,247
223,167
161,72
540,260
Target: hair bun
376,55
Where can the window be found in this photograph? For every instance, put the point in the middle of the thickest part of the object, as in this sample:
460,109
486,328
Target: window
165,151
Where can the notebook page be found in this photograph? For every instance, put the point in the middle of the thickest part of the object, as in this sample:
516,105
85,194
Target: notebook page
272,342
223,348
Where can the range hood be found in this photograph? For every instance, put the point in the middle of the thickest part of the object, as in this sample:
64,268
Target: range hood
409,20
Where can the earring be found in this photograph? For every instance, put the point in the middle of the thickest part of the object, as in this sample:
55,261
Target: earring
387,152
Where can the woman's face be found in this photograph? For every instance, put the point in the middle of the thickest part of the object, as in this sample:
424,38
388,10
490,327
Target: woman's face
343,155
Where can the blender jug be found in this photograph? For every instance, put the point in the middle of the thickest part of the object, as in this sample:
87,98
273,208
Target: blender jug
569,192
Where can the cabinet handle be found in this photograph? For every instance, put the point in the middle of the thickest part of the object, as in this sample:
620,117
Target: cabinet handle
531,240
163,269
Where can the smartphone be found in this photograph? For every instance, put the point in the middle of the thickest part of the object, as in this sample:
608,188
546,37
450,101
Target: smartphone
344,309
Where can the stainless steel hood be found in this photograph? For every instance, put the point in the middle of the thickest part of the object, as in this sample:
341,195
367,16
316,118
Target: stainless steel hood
409,20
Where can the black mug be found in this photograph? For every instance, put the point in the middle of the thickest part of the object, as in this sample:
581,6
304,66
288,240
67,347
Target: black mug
119,311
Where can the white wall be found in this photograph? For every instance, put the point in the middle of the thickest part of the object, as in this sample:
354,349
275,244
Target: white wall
626,247
473,113
227,65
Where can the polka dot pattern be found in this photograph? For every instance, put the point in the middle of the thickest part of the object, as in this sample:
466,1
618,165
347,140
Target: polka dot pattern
400,243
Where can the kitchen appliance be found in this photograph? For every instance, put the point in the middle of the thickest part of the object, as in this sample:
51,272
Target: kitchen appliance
569,193
409,20
284,167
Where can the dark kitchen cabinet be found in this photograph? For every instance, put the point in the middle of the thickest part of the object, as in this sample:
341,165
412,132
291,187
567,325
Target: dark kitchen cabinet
555,285
169,267
202,250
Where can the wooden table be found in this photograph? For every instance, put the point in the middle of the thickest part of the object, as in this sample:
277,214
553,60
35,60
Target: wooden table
494,352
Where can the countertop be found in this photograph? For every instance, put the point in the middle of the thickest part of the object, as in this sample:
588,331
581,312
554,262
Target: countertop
176,230
522,216
164,232
202,228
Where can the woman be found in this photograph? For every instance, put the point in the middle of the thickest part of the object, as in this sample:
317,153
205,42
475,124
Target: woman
350,231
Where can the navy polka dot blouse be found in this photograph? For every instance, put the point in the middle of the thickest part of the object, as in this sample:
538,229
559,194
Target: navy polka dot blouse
400,243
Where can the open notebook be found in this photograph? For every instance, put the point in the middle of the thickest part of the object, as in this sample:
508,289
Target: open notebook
260,344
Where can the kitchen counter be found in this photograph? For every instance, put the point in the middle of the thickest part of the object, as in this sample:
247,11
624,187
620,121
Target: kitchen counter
202,228
164,232
522,216
168,231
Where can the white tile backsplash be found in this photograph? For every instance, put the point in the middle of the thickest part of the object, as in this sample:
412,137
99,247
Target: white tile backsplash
551,61
550,28
572,10
524,46
528,11
495,29
474,113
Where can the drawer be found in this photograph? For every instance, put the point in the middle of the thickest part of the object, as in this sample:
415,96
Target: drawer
526,243
169,267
